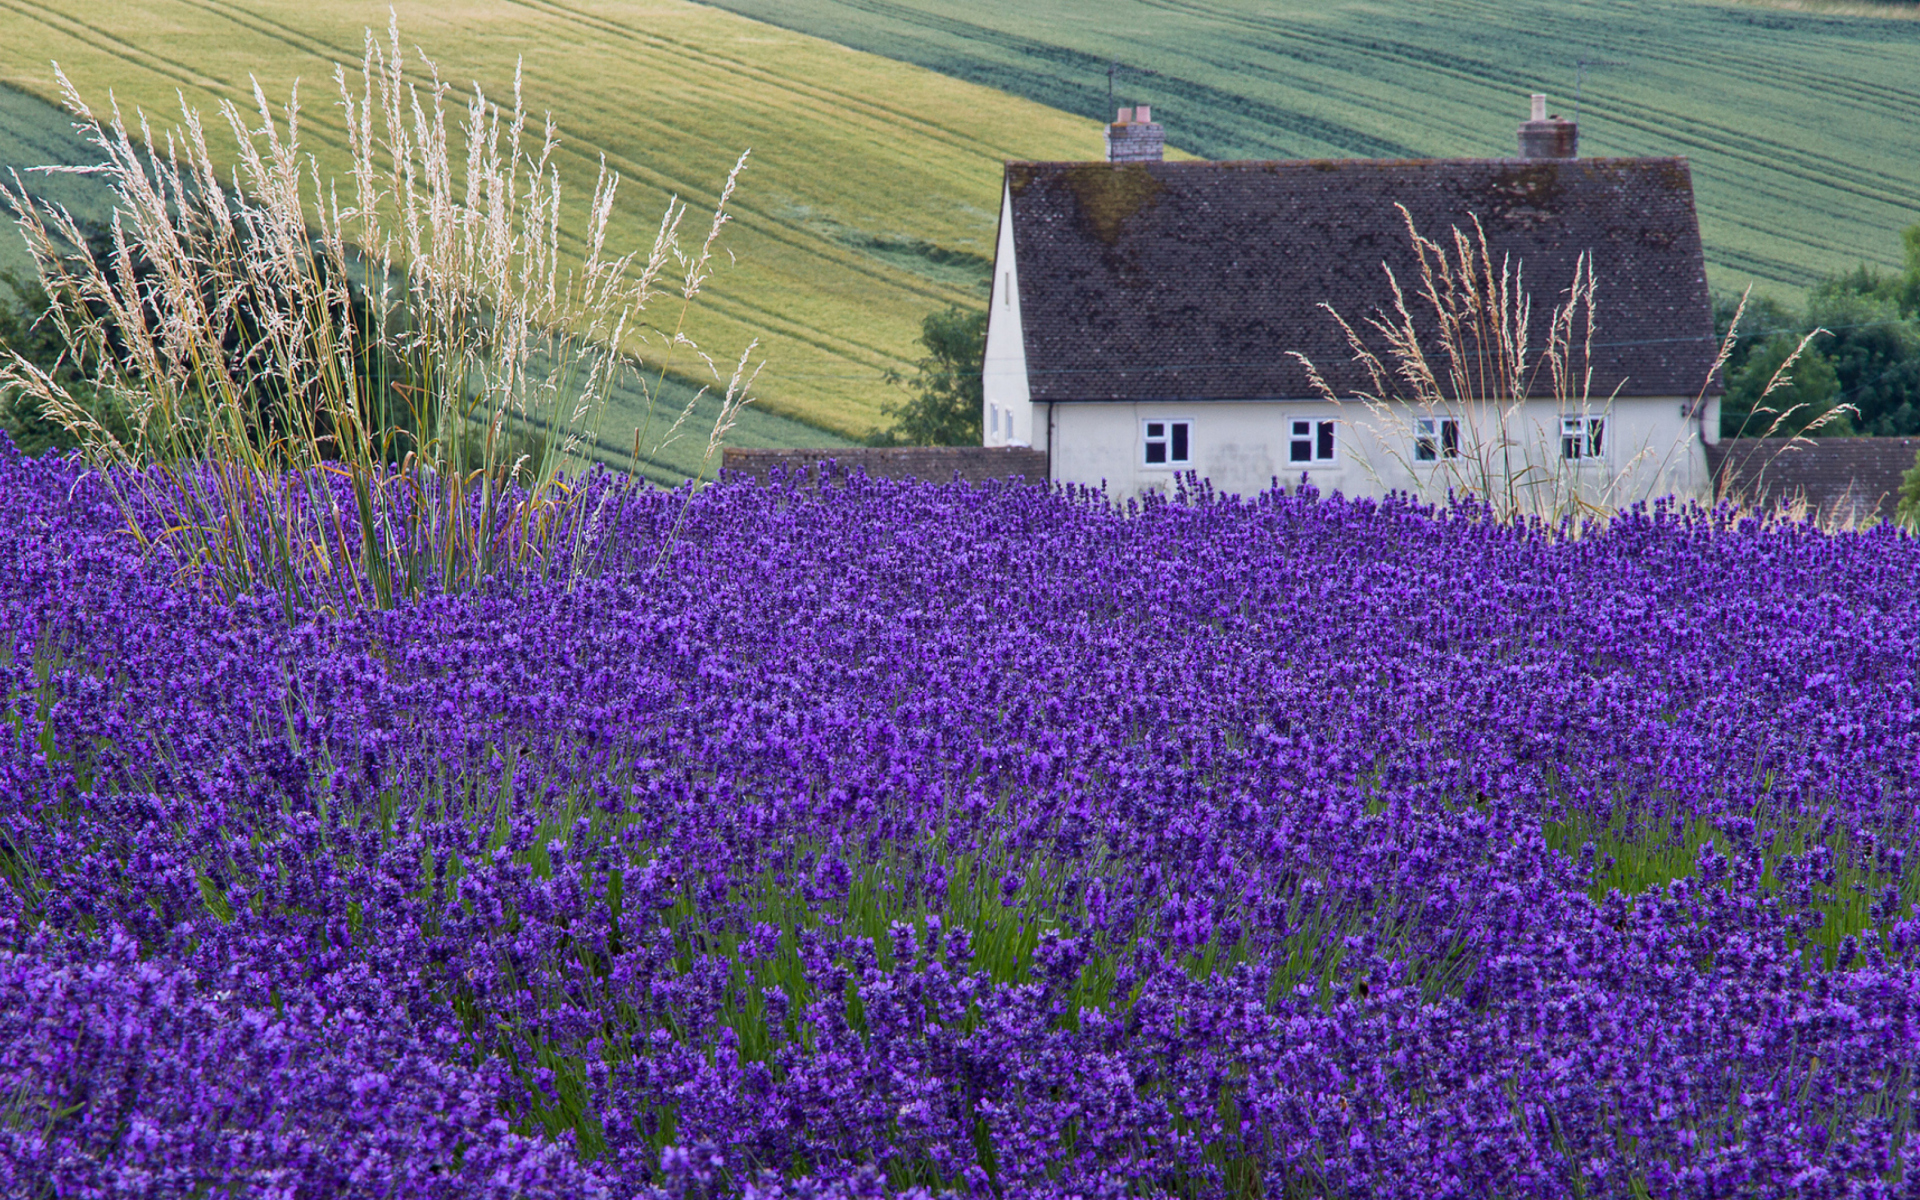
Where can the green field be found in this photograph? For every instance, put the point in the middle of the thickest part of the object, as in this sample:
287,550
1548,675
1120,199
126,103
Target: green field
1800,124
871,199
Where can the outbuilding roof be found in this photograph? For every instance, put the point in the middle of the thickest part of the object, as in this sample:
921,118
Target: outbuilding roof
1841,480
1178,280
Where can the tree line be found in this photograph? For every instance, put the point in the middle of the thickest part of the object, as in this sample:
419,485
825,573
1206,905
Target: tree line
1865,357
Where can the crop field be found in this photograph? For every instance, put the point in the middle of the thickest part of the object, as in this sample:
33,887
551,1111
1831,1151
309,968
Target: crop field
1799,124
870,199
896,839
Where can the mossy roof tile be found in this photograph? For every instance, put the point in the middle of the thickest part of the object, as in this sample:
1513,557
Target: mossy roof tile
1155,281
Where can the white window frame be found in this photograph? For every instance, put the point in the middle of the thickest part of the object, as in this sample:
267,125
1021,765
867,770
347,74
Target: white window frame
1583,437
1315,435
1167,440
1436,439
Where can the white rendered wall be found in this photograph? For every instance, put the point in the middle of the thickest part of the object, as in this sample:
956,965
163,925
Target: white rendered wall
1004,367
1650,449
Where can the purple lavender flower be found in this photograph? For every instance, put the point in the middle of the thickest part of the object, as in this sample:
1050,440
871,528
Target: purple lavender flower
900,839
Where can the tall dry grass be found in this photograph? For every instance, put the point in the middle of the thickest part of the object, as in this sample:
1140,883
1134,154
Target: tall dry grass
349,399
1484,378
1754,494
1459,349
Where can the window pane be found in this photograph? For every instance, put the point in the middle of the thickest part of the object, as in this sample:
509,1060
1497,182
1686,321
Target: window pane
1179,441
1325,448
1156,452
1450,438
1302,428
1156,430
1301,451
1580,437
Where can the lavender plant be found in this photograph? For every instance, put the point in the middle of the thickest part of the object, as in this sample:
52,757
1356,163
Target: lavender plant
913,839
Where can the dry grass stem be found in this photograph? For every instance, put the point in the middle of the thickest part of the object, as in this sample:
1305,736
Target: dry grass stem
1735,489
351,399
1458,352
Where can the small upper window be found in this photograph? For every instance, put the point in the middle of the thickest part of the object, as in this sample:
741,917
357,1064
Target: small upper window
1580,436
1311,441
1435,438
1168,443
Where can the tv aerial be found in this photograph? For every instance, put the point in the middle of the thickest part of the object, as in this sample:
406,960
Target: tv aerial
1580,77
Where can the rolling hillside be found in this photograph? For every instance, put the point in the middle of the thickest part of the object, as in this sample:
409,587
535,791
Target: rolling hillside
1800,124
871,199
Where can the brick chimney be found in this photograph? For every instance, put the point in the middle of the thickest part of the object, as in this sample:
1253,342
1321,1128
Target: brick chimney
1133,137
1548,137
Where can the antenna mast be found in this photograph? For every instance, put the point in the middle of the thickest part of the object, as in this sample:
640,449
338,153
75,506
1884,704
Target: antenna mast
1580,76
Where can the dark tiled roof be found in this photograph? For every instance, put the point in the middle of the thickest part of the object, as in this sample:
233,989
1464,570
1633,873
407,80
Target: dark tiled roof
1840,480
934,464
1193,280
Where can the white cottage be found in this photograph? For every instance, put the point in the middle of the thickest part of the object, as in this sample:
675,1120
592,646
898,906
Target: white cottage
1147,315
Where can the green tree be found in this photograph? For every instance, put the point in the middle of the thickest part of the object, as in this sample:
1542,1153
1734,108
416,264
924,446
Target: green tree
947,398
1902,289
1805,392
1875,352
1764,317
1907,509
1908,295
1869,358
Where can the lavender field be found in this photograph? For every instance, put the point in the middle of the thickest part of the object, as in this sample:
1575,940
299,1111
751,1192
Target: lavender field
992,841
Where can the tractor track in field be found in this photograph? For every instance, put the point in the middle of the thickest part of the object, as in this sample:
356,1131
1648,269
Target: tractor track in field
847,353
1795,194
1697,131
1089,64
770,227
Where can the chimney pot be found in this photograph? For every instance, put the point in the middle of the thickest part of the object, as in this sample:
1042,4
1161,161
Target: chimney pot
1135,138
1548,136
